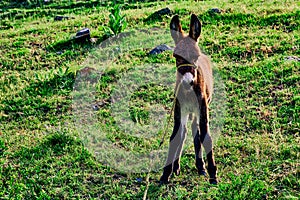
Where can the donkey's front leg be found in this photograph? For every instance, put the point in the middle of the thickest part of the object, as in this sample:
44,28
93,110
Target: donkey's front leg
207,142
175,148
182,132
197,146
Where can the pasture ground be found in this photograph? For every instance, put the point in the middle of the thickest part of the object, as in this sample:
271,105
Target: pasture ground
257,152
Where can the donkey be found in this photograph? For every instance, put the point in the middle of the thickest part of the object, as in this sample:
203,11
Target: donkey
193,91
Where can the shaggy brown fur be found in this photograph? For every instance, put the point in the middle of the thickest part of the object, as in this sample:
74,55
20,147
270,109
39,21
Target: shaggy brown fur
193,91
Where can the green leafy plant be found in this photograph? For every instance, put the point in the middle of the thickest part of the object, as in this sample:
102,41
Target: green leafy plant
117,22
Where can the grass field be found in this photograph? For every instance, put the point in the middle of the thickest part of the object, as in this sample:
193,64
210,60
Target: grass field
42,154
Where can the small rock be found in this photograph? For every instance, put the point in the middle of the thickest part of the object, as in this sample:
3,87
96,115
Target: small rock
60,18
215,10
95,107
83,34
292,58
139,180
59,53
158,14
164,11
159,49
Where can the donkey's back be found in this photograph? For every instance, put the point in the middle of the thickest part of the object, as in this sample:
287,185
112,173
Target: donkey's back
203,63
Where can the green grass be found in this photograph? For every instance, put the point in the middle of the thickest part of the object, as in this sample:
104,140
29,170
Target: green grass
42,152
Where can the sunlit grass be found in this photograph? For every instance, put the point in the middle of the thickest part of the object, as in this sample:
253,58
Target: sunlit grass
42,154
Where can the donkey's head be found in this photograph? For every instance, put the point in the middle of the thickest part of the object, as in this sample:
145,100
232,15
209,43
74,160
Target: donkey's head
187,50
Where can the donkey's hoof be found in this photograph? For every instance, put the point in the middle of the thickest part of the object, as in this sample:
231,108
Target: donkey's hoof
176,171
163,181
213,181
202,172
176,167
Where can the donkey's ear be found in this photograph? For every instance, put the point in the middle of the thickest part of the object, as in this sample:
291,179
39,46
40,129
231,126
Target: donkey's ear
176,30
195,27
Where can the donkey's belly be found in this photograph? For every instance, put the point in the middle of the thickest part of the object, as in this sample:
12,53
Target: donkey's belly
189,103
189,109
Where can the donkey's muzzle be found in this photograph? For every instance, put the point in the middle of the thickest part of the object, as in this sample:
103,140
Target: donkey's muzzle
187,80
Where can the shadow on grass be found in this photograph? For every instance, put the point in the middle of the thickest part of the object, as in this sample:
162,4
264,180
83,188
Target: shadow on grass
49,8
51,4
56,162
38,102
54,144
131,4
284,21
73,44
22,9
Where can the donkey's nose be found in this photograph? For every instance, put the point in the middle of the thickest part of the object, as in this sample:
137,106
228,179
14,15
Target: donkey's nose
188,78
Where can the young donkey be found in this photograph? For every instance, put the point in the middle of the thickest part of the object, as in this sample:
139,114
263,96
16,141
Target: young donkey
194,85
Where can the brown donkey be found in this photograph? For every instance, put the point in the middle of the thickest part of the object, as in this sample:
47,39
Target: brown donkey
194,85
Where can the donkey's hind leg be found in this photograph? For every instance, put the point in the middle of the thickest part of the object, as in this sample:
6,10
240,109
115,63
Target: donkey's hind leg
207,143
197,146
211,168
